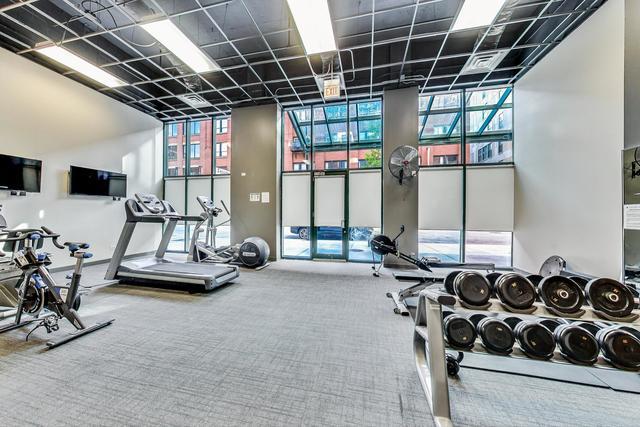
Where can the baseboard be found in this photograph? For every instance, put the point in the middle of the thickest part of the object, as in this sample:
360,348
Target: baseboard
100,261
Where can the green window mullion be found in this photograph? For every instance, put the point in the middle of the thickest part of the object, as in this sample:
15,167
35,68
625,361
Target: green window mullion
349,136
494,111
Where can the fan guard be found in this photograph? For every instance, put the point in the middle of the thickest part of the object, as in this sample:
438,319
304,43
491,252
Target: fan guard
403,163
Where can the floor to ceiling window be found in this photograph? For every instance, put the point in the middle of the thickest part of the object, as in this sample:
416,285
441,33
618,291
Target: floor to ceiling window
450,158
205,146
331,183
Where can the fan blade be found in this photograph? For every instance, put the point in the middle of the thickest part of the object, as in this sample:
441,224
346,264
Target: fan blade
411,155
396,161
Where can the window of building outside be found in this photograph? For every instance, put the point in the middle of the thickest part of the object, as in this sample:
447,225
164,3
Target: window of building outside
445,159
172,152
222,126
335,164
195,150
221,150
173,130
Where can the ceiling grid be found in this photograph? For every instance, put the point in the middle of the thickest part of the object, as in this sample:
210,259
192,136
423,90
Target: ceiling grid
382,44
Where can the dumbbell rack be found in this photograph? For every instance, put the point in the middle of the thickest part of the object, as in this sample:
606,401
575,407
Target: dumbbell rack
429,345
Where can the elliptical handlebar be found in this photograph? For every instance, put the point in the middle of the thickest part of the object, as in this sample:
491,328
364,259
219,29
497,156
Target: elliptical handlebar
225,207
208,206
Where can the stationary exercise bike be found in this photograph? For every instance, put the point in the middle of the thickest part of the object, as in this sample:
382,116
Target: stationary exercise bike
252,252
39,296
10,275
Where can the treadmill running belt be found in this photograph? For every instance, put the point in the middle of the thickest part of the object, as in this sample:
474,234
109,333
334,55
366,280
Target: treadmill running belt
192,268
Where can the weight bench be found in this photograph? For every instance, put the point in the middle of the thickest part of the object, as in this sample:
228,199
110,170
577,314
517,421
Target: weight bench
400,298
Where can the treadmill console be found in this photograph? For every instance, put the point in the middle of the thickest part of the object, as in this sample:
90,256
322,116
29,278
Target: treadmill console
152,203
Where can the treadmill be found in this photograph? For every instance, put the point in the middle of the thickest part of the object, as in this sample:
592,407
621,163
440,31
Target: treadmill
147,208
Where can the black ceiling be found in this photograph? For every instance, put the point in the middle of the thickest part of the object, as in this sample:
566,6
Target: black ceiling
382,44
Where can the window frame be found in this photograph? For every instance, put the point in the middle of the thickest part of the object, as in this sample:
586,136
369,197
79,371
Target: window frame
170,130
464,139
305,129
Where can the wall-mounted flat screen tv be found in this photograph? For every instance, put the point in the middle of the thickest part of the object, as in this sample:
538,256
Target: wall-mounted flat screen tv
94,182
20,174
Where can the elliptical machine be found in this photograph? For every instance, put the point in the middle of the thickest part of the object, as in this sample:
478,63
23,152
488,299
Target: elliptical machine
39,296
253,252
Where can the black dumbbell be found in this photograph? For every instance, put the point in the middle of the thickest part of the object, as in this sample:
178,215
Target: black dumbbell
620,347
492,277
453,363
496,335
561,294
551,324
448,281
475,318
512,321
472,288
535,279
515,291
581,281
589,326
610,297
536,341
577,344
459,332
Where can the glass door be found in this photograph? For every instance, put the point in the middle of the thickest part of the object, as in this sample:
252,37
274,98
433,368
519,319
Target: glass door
329,235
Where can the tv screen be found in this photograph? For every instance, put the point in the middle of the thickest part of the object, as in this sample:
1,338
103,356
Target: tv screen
20,174
93,182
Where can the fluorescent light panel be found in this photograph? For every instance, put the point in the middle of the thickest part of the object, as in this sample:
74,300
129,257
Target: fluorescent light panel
314,25
73,61
173,39
477,13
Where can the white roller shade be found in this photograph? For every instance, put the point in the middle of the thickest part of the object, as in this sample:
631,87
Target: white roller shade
222,191
365,198
174,193
329,201
296,200
490,199
197,187
440,199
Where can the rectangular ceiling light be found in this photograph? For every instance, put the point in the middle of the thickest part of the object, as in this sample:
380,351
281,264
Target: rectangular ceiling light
73,61
314,25
477,13
173,39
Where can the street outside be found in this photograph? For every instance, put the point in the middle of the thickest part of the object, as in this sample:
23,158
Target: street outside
491,247
177,243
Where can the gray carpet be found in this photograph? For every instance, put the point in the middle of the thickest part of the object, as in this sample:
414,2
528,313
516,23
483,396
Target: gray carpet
298,343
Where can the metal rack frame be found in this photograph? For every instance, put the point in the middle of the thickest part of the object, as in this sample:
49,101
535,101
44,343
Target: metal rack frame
429,346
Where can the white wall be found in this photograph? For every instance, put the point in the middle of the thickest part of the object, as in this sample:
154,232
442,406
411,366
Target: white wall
569,120
46,116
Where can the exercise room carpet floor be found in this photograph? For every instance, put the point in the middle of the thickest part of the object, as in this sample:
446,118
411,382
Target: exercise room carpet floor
298,343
